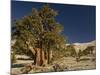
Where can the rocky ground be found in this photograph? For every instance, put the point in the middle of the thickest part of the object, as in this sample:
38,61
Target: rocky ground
62,64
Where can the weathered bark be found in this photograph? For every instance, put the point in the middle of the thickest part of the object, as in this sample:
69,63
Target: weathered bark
39,54
40,57
49,56
44,58
32,50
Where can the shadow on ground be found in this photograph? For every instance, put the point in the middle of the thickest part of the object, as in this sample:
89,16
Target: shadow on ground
17,65
24,59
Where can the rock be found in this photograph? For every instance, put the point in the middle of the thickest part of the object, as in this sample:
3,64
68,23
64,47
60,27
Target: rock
27,69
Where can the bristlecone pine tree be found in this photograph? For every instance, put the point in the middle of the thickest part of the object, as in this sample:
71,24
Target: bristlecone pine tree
40,34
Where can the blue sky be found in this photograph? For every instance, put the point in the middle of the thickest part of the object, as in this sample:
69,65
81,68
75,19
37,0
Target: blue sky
79,21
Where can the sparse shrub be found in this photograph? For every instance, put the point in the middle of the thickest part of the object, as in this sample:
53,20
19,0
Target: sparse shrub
89,50
71,50
13,57
56,67
77,59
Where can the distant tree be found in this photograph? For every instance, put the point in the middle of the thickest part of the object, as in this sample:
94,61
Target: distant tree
89,50
71,49
39,33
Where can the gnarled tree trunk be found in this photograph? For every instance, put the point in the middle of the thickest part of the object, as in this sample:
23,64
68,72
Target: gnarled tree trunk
40,57
49,56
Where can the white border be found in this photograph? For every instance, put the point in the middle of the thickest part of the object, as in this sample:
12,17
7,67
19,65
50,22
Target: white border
5,37
80,2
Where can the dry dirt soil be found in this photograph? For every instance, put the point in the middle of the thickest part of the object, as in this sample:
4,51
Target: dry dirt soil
61,64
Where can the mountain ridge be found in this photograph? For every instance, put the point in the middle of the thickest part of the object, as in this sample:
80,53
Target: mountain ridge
82,46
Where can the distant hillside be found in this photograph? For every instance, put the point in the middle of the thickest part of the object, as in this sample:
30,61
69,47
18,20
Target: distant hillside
82,46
